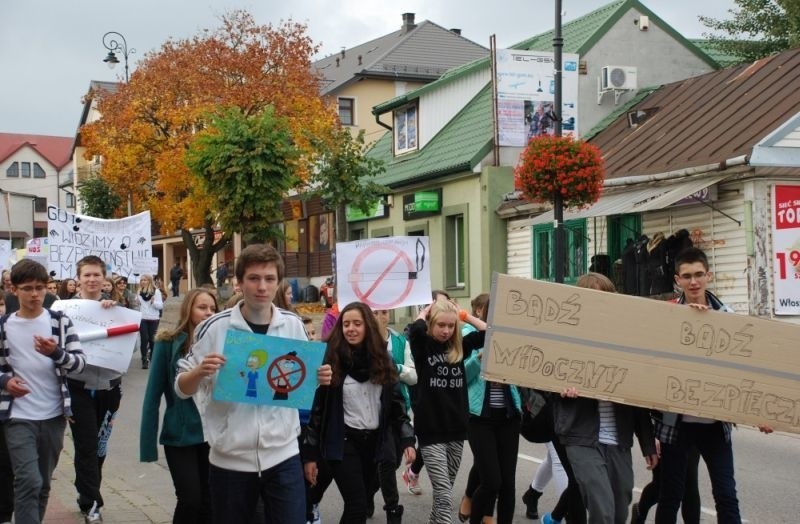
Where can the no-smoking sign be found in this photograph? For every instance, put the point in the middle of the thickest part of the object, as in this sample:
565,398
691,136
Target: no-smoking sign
384,273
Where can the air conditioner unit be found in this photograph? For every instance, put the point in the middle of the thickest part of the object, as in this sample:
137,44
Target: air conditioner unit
618,77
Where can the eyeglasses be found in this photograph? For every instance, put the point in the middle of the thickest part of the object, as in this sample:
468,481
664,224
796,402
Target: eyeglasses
31,289
688,277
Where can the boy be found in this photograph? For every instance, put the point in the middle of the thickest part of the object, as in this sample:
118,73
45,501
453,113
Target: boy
678,433
37,349
96,393
254,450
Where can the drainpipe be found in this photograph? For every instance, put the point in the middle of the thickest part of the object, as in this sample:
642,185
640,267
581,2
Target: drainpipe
378,121
680,173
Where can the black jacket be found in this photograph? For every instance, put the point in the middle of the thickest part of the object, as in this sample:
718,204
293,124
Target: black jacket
577,423
324,436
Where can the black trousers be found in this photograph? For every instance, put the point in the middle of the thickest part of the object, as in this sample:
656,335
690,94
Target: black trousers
570,504
690,505
147,334
93,413
188,466
6,480
355,474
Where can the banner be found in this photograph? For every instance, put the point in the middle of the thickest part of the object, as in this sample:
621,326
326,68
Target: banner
123,244
5,255
526,95
643,352
38,249
384,273
786,249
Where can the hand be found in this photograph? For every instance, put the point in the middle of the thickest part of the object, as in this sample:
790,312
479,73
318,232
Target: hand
310,470
324,375
106,304
410,454
699,307
44,345
210,364
652,461
658,448
16,387
764,428
423,315
570,392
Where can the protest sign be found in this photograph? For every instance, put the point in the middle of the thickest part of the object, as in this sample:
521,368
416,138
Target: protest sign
37,249
5,254
384,273
786,249
120,243
90,318
643,352
262,369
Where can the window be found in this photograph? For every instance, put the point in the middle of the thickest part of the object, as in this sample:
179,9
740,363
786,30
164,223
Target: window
40,205
13,170
621,230
455,252
405,129
38,171
347,115
70,201
26,169
575,243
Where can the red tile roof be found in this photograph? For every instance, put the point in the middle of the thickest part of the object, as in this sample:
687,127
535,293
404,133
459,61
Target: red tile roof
55,149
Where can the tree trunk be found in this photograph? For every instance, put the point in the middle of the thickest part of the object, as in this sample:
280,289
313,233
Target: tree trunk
341,223
203,254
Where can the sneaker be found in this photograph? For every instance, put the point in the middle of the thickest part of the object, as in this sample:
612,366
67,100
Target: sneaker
531,501
412,482
92,516
548,519
315,517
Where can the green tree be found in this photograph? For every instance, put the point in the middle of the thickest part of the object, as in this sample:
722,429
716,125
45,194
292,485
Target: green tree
246,164
758,28
343,177
97,198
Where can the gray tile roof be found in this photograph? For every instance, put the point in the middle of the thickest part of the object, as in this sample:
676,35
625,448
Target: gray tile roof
422,54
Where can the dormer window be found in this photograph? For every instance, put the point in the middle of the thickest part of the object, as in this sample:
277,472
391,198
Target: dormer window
405,129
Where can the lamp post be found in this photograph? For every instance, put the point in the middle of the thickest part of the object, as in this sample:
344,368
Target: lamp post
559,255
115,42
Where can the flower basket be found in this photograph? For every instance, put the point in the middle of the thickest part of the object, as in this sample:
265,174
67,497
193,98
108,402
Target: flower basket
570,167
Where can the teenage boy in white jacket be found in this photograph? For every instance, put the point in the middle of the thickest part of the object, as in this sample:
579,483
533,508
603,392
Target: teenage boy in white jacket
254,450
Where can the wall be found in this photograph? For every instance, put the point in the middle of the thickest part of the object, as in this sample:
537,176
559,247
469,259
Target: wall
41,187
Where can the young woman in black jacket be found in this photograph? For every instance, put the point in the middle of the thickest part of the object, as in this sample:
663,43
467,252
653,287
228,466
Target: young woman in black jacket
351,418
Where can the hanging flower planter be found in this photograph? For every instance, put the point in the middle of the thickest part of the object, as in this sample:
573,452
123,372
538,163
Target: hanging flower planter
550,165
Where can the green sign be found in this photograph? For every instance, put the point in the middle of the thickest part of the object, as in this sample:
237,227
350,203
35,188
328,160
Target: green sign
376,210
422,204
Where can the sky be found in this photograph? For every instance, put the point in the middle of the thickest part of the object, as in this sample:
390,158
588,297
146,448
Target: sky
51,49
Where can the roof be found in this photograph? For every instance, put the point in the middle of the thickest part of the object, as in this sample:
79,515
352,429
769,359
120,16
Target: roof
94,86
580,35
720,57
705,119
55,149
459,146
422,53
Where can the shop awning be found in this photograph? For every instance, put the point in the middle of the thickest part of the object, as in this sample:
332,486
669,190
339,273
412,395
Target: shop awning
648,198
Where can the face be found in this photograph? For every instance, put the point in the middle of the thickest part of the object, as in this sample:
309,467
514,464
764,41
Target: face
252,362
107,287
353,327
145,281
202,308
259,285
71,286
288,295
31,295
443,326
7,280
382,316
693,279
311,332
52,287
91,278
121,285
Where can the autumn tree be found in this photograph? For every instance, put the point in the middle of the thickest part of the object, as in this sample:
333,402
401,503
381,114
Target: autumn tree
246,165
343,176
758,28
97,198
149,124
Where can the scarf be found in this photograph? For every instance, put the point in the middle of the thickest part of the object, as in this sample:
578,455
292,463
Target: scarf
145,296
359,365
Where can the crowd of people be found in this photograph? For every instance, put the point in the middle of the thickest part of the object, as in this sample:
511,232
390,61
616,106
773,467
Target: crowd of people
386,400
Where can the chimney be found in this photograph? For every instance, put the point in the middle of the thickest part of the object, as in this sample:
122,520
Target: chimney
456,31
359,59
343,53
408,22
337,61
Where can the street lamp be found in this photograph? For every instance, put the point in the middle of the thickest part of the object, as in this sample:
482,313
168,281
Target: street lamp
111,42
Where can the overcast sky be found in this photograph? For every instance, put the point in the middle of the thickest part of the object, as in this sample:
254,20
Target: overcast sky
51,49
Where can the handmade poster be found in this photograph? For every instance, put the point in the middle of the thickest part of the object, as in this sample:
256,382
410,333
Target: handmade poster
38,249
384,273
107,335
274,371
786,249
643,352
5,254
120,243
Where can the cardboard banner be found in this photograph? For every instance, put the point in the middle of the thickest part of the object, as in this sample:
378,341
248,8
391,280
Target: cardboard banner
120,243
643,352
90,318
786,249
384,273
262,369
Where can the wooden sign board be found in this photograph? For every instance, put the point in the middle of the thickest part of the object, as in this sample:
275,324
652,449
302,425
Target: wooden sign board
644,352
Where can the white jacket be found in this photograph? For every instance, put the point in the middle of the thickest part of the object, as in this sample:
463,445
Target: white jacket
150,308
242,437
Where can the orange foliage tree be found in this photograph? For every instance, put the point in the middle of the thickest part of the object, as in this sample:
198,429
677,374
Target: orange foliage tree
148,124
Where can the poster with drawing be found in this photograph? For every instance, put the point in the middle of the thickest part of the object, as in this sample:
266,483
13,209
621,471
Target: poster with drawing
123,244
274,371
108,336
786,249
384,273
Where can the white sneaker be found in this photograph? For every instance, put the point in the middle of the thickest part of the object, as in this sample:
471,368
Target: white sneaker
93,516
315,512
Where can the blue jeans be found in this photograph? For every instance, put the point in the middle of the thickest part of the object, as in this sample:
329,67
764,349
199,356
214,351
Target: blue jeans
234,494
709,439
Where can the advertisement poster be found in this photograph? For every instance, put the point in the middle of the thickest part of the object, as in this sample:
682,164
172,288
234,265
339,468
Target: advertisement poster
526,94
786,249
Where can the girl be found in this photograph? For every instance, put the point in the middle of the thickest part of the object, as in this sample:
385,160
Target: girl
150,303
67,289
284,296
440,403
351,418
109,289
182,432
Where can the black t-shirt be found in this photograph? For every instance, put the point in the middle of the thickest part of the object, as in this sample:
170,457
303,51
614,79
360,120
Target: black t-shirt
261,329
